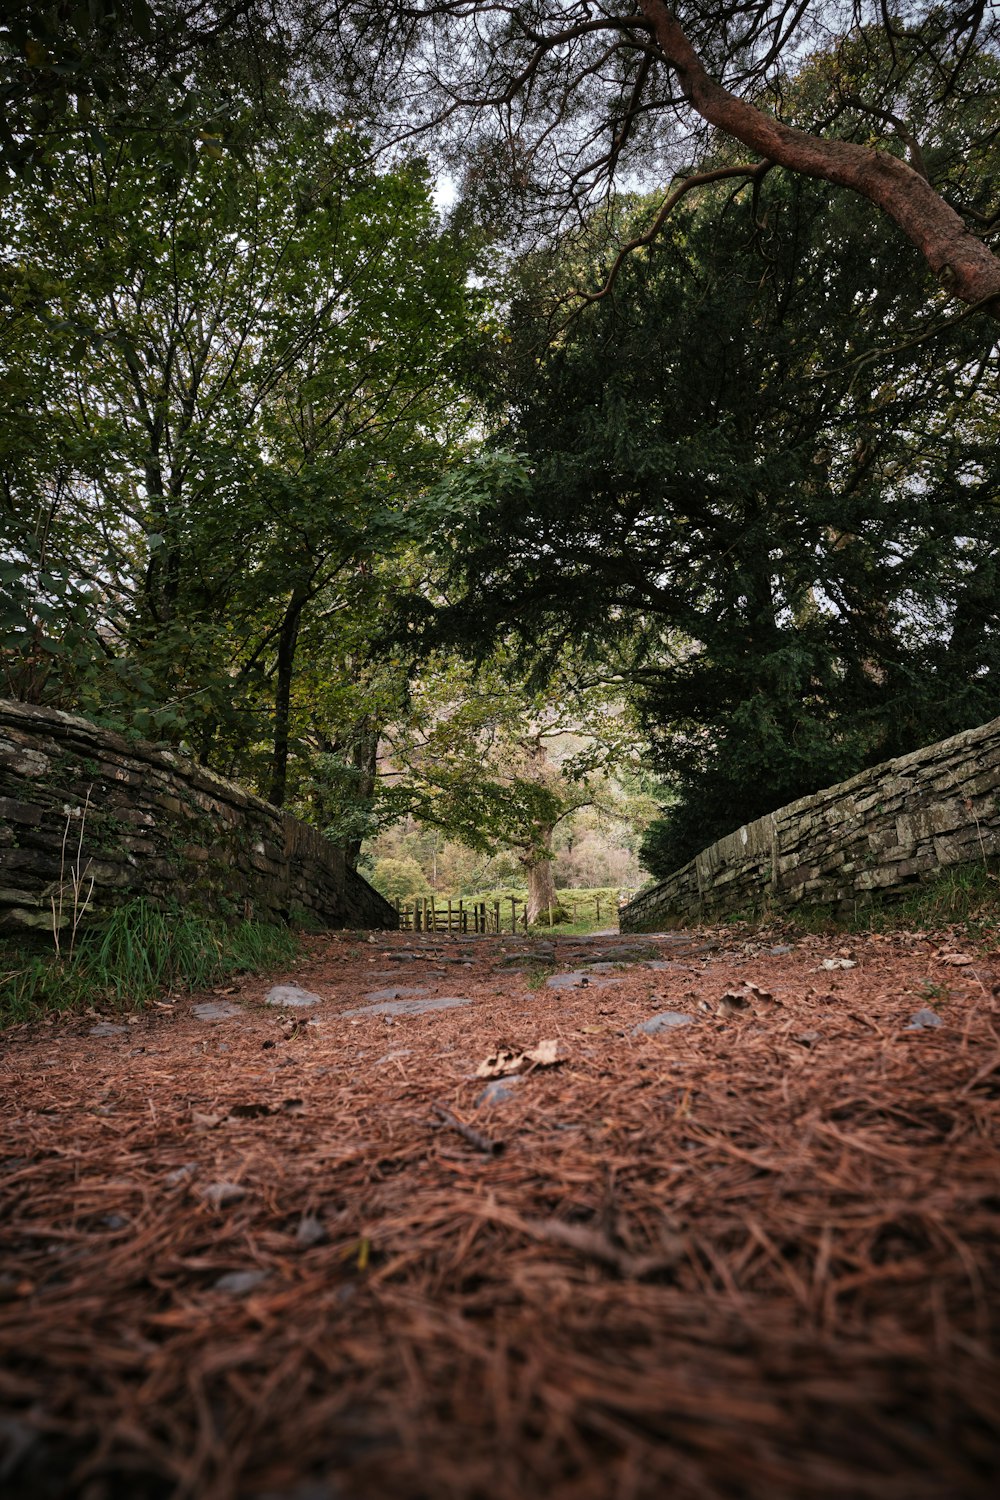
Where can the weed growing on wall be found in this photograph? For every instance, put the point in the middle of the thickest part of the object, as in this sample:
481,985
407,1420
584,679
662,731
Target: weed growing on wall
965,895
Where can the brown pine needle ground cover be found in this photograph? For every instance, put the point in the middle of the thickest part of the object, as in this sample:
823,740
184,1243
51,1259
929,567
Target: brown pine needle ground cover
288,1253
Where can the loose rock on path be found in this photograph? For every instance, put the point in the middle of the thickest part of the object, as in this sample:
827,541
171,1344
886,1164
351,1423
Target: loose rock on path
729,1228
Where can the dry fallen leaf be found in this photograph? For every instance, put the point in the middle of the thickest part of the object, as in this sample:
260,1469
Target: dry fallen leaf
733,1002
547,1054
500,1063
505,1061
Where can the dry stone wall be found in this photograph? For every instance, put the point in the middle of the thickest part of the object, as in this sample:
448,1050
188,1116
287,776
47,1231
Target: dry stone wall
882,832
83,809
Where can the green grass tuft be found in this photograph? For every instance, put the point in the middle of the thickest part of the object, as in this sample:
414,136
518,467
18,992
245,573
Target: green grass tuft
137,953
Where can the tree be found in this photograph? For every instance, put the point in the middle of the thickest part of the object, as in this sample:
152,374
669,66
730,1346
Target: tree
96,74
498,764
802,541
399,879
228,404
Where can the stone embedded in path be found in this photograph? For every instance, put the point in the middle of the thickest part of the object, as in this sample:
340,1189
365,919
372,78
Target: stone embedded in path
665,1020
215,1010
924,1019
578,980
408,1007
497,1090
291,996
106,1028
628,953
374,996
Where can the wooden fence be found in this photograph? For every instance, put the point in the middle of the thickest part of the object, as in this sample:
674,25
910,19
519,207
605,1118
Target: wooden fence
425,914
428,914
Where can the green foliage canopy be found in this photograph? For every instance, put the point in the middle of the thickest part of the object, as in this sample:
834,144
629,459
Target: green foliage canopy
224,405
805,541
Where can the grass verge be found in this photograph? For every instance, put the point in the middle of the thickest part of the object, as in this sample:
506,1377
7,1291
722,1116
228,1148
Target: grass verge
138,953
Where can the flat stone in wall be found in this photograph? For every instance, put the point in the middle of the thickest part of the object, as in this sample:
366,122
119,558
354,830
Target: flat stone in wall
882,832
88,818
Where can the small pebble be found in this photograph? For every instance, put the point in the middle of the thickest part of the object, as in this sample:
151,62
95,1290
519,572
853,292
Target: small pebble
238,1283
497,1090
181,1174
923,1020
665,1020
310,1231
221,1194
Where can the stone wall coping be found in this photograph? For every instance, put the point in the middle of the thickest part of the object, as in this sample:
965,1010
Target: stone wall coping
32,717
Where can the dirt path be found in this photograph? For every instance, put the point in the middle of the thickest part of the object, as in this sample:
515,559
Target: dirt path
297,1253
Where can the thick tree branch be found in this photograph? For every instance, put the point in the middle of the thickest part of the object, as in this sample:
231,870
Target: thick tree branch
964,266
754,170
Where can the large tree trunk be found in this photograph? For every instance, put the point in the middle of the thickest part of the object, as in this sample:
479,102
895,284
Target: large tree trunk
364,753
542,896
963,264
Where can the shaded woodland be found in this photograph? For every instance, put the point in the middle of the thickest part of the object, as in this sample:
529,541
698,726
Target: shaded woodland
393,390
